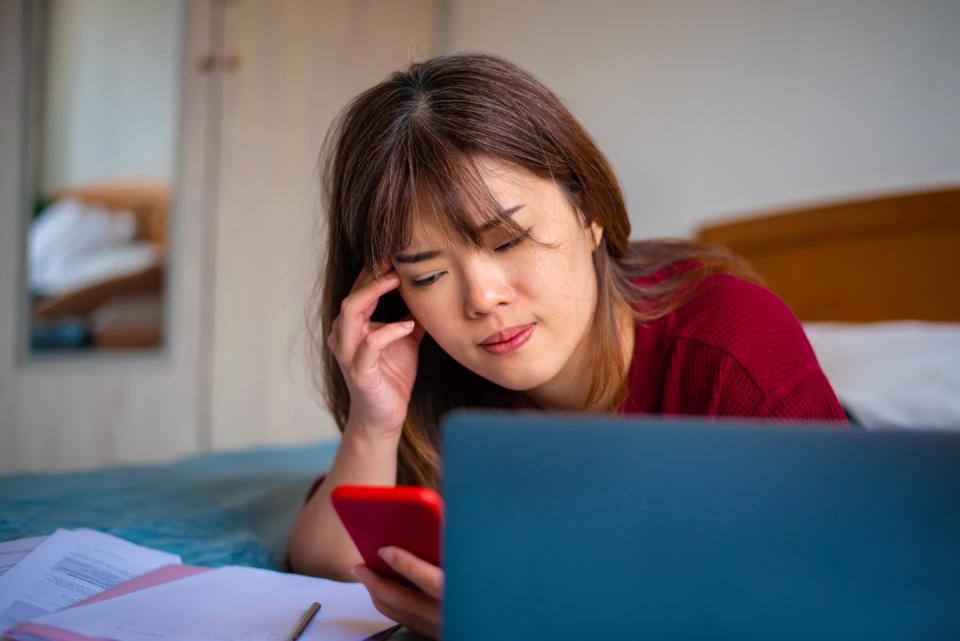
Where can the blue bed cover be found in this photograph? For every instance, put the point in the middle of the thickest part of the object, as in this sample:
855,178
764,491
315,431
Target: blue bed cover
230,508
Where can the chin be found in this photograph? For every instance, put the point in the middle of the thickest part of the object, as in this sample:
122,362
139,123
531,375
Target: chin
518,379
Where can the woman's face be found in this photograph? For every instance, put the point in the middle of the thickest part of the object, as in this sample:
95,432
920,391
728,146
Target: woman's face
513,311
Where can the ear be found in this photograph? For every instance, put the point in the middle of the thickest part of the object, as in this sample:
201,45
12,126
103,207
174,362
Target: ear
596,233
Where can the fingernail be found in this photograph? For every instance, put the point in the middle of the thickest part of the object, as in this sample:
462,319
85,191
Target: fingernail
386,554
356,573
408,324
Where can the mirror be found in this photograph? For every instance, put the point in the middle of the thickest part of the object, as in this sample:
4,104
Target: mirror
105,81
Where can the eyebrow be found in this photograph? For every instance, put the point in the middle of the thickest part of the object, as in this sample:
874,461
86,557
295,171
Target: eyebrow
407,259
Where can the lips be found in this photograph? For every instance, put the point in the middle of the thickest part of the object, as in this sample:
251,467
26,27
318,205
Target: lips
504,335
507,340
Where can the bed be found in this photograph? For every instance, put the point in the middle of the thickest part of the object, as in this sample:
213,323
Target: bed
229,508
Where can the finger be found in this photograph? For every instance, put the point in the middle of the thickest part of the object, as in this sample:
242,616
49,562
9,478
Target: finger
426,627
418,330
394,594
366,295
368,310
399,602
368,275
376,341
356,309
364,277
386,265
423,574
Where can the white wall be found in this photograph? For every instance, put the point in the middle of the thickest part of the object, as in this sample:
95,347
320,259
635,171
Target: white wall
714,108
110,92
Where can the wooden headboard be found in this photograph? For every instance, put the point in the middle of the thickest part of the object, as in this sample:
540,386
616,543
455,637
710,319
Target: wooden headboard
880,259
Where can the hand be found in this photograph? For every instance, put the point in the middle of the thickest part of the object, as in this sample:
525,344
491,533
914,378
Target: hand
378,361
419,611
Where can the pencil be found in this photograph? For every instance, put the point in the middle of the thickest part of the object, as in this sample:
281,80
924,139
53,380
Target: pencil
304,621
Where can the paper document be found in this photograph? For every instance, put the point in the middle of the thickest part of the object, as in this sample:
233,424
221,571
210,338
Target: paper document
12,552
70,566
228,604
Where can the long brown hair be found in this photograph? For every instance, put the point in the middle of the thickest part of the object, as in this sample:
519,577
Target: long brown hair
413,139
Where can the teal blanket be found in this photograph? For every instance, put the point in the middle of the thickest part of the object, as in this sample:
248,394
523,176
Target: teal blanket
232,508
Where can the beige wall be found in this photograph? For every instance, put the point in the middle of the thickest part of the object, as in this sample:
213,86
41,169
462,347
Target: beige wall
713,108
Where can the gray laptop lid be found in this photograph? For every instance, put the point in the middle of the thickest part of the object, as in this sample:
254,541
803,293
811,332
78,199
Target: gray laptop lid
593,528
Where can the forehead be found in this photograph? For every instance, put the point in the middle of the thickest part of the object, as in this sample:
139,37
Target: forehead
508,184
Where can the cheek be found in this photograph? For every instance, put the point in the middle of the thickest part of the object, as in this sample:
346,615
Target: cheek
434,312
564,277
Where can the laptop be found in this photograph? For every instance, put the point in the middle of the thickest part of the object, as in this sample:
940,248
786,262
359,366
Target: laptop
585,527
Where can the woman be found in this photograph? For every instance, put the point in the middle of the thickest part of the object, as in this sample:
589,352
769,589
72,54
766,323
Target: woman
479,255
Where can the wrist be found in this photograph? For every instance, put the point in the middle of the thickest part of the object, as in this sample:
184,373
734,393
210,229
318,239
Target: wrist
365,440
367,460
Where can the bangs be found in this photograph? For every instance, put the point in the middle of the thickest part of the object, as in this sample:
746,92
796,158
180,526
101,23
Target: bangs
428,177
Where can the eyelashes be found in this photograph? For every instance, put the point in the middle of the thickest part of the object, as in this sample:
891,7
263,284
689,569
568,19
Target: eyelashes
516,240
423,282
513,242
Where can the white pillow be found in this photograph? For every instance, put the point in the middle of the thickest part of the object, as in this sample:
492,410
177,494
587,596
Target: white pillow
74,244
77,271
893,374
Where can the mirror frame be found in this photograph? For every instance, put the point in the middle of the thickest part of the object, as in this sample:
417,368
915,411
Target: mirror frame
35,13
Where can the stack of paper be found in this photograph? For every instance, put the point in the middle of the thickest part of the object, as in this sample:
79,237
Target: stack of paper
67,567
12,552
80,585
226,604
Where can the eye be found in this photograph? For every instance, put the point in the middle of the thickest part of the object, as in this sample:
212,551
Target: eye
513,242
507,245
425,282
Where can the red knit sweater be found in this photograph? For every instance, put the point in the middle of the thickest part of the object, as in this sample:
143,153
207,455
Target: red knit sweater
734,350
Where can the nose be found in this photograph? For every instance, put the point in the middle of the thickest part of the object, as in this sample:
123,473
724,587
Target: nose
487,287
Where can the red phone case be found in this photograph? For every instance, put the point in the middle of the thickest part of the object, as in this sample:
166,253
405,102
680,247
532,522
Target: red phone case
409,517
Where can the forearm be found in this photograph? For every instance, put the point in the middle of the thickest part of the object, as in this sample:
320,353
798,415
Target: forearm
319,544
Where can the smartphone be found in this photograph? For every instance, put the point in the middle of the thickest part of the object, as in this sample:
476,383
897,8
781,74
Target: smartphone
407,516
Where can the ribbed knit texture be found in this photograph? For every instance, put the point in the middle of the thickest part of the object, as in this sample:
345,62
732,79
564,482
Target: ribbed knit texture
734,350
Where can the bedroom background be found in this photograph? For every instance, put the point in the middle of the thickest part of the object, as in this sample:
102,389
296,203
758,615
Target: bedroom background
708,112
